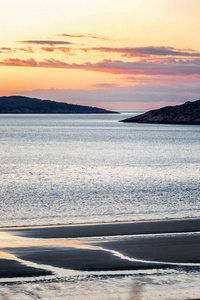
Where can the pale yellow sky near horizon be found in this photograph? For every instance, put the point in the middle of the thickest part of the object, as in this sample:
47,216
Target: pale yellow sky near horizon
128,48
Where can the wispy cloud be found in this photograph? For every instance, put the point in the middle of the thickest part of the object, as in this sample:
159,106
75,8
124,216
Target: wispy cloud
5,50
147,51
45,42
87,35
105,85
25,49
36,49
57,49
141,68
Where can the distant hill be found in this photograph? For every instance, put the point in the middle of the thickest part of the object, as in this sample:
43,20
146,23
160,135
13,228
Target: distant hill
26,105
187,113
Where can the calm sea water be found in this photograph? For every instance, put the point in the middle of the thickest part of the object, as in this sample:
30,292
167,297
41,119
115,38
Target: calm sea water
60,169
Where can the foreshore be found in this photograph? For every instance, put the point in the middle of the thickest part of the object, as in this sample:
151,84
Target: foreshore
108,229
101,247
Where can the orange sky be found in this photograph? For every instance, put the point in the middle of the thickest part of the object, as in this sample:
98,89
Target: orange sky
120,54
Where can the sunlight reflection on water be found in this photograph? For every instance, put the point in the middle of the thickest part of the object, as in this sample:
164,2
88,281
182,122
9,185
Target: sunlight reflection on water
73,169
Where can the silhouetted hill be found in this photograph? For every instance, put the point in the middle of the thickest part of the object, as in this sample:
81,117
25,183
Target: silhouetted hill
187,113
26,105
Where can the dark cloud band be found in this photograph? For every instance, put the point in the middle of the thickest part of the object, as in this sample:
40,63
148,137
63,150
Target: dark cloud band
45,42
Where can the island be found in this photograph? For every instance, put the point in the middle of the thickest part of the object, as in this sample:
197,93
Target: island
187,113
26,105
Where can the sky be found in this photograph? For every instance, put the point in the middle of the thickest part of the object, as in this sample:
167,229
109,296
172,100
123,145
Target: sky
116,54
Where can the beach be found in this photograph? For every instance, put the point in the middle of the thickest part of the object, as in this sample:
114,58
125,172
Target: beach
90,207
119,246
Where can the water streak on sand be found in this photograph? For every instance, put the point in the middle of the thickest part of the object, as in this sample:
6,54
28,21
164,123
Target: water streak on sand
5,255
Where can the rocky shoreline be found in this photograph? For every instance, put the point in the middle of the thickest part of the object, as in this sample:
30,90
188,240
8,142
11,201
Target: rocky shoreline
187,113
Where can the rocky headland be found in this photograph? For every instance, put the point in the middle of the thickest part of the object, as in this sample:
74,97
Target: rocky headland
187,113
26,105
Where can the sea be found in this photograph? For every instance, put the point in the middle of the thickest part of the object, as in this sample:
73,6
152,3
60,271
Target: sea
74,169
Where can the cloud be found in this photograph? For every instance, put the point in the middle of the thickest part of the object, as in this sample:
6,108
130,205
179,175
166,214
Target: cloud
105,85
33,49
5,50
57,49
14,50
141,68
147,51
19,63
87,35
140,96
26,49
33,63
152,54
45,42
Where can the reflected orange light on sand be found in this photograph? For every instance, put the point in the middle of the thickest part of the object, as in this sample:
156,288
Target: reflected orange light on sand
5,255
8,240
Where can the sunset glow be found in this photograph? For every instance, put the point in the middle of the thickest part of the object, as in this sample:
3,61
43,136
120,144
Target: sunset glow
119,54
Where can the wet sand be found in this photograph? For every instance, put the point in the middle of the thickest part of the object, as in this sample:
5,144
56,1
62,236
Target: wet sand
110,229
177,249
105,247
13,268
